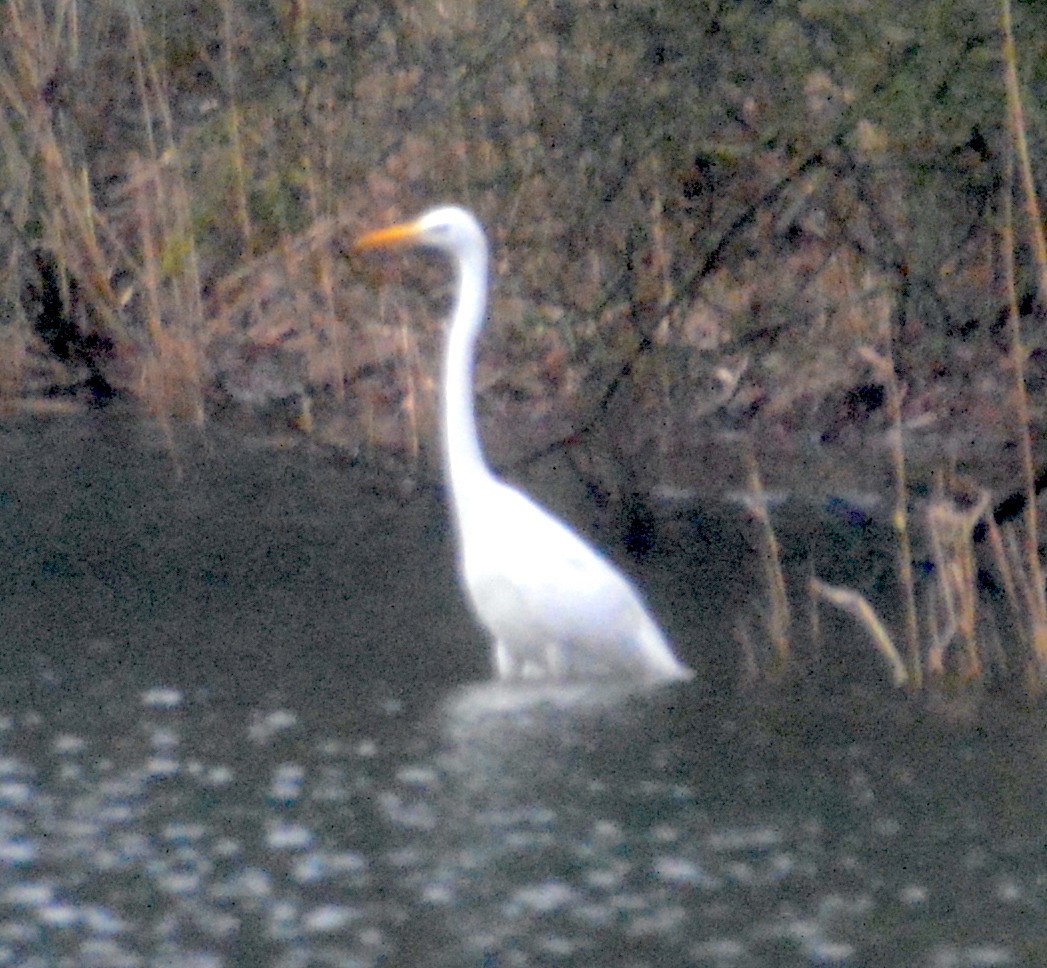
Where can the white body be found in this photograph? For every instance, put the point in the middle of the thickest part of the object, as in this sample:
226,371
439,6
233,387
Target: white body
555,607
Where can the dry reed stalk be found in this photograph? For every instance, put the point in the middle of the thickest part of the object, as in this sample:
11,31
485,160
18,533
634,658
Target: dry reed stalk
779,621
172,373
1011,579
814,620
16,338
177,242
1016,120
858,607
407,346
239,163
883,366
750,667
144,187
39,43
1020,594
171,378
1037,604
956,580
333,335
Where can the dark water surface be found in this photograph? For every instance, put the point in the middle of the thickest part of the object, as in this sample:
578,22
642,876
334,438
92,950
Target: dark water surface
242,722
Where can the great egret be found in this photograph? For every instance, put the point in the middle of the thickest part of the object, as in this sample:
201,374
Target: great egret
555,607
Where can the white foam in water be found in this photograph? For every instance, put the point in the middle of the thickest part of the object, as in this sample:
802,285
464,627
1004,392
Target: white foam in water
319,866
329,917
289,836
679,870
65,743
287,783
419,776
162,697
544,897
17,851
161,767
29,894
102,921
366,749
58,915
247,884
267,726
15,793
184,832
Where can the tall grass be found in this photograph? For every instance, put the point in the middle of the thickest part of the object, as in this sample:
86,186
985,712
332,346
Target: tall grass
217,232
42,45
1036,598
952,635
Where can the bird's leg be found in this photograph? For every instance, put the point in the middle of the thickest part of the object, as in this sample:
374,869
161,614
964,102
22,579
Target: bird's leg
555,666
504,666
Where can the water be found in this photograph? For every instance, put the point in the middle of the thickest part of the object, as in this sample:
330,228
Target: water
243,722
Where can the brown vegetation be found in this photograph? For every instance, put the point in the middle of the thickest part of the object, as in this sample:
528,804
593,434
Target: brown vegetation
782,231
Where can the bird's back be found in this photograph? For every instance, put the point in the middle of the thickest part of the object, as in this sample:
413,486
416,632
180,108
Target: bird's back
555,606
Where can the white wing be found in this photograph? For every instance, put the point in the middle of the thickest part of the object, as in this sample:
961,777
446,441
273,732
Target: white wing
555,606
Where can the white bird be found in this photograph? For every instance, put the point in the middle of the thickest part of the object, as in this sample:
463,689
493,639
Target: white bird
556,608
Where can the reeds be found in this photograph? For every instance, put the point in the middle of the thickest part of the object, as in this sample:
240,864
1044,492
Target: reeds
952,607
883,365
1036,598
857,606
42,49
221,227
950,632
778,618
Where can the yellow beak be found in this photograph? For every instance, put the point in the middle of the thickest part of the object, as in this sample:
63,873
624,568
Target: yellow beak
402,234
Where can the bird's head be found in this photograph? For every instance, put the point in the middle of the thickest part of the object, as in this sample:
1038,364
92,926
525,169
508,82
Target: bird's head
449,229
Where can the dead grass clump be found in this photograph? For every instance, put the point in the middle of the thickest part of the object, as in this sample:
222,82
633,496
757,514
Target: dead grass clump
39,45
1035,597
959,641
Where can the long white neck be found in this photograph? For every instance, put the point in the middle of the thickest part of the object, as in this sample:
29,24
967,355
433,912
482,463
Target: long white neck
462,455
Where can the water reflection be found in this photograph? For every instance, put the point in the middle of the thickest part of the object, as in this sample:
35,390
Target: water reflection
217,748
491,829
565,807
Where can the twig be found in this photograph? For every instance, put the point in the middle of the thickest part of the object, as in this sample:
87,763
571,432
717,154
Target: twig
1016,118
856,605
780,618
884,367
